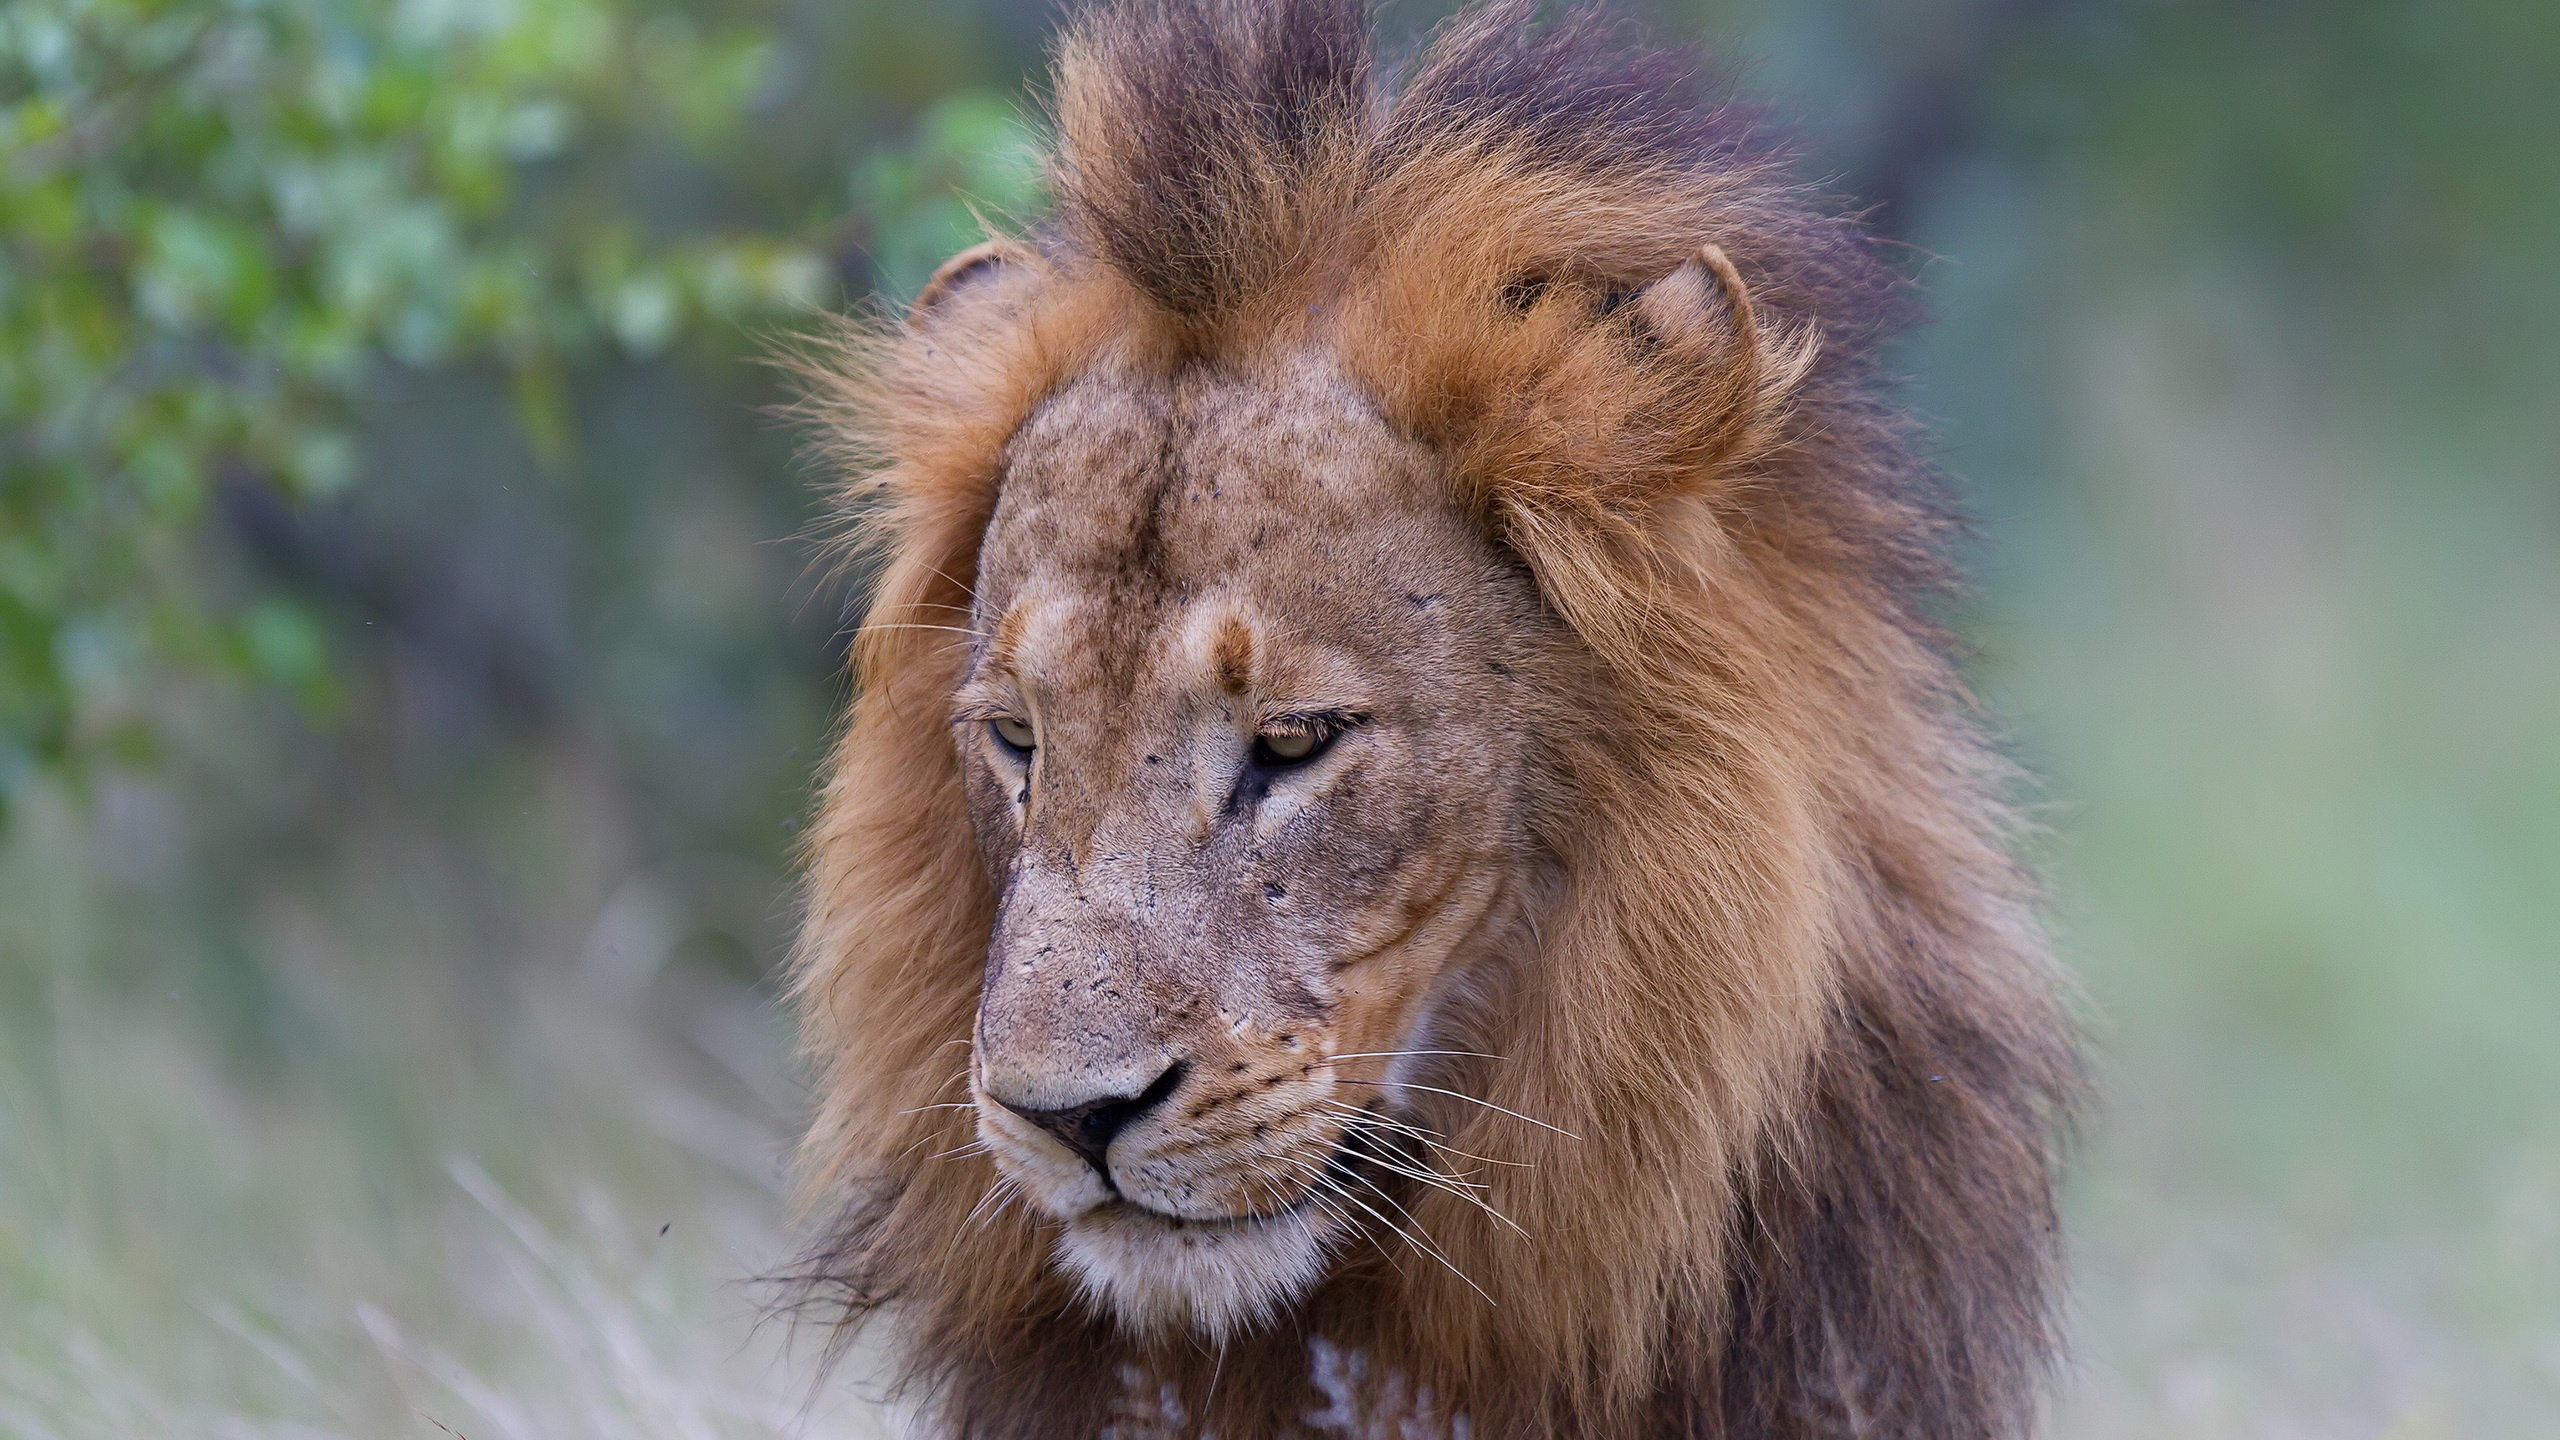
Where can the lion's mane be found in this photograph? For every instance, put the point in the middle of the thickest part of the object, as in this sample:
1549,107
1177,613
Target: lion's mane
1791,1003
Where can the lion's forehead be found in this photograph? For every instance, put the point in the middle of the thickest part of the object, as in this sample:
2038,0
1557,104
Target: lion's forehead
1124,499
1173,561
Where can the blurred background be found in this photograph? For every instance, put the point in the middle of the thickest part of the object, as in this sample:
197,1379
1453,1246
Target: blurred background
414,656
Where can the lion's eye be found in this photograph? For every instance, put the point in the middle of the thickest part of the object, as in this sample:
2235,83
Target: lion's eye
1291,745
1302,741
1014,734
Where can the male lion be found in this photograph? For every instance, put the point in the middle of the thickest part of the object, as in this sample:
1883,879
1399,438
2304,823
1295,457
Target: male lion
1410,860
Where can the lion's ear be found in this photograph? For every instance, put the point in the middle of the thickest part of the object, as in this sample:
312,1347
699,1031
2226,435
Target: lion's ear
1703,304
977,264
1742,371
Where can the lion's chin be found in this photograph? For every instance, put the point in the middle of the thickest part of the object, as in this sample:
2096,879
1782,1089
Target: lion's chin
1214,1278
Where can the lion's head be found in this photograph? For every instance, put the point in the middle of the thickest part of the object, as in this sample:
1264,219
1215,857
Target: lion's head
1253,726
1402,796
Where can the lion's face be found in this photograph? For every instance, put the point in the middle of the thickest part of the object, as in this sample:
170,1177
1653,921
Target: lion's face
1249,743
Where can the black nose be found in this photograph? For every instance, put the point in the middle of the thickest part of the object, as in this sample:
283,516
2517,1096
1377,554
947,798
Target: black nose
1088,1129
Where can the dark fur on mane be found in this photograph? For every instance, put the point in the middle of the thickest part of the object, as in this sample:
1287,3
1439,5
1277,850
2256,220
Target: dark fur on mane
1226,107
1224,110
1886,1259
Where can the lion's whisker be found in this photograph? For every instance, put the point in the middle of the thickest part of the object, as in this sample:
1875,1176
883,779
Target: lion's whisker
934,604
1316,1196
1280,1206
1253,1172
999,1194
1392,1160
1455,1184
1466,1190
969,590
1420,1233
1012,1192
1412,1237
1307,1230
927,1138
1459,1186
1324,1182
1422,1133
1470,1099
1374,1188
920,625
1492,1211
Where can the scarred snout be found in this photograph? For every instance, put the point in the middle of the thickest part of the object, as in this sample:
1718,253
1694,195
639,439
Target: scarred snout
1078,1036
1111,1069
1066,1027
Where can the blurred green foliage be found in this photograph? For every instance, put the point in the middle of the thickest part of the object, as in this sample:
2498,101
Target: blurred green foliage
973,162
219,221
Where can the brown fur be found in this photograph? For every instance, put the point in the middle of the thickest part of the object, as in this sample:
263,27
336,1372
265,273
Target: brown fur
1770,965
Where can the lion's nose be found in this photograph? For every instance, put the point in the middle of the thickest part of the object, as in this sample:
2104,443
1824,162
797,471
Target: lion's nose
1088,1129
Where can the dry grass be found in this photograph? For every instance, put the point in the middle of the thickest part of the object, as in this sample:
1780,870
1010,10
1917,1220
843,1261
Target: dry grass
526,1221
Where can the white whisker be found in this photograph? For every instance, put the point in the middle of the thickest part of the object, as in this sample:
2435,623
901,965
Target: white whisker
999,1195
1472,1100
1466,1190
1324,1181
1421,1133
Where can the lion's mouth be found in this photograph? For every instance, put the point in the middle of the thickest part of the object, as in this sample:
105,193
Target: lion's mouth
1363,1142
1223,1273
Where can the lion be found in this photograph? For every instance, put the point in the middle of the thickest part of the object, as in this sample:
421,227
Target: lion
1410,858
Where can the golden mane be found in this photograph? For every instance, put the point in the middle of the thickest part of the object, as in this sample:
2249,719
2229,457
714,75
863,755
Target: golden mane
1793,1006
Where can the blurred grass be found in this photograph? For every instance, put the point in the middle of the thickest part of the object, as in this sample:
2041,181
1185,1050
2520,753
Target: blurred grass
2295,677
365,1203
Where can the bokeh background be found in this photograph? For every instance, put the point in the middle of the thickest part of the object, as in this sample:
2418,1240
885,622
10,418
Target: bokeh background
414,654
